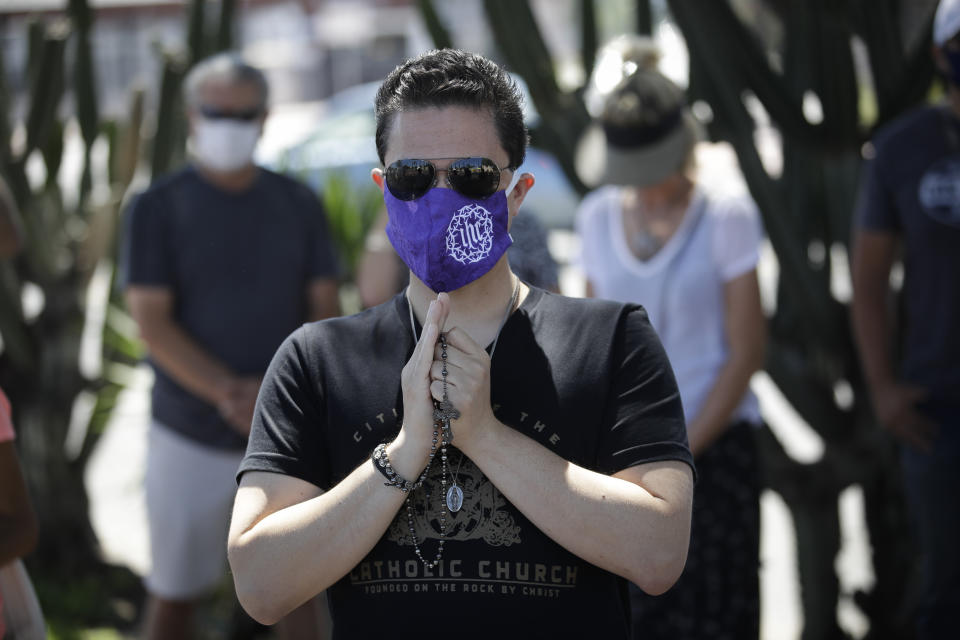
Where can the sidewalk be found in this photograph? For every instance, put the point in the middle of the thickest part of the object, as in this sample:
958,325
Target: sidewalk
114,479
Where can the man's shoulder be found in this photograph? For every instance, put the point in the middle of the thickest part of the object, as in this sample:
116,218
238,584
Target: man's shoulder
283,183
152,200
367,325
575,312
595,328
184,177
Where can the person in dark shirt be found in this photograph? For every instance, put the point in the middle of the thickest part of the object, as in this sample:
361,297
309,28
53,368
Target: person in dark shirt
475,456
222,260
909,206
18,519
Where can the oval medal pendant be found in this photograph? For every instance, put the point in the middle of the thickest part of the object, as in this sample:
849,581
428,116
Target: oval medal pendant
454,498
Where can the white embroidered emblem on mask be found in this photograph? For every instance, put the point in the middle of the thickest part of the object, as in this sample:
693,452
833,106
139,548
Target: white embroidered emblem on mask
470,234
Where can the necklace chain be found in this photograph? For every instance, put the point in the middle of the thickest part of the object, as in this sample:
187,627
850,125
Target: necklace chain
442,415
503,321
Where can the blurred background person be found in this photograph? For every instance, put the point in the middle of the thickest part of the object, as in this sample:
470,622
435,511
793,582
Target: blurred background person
909,208
20,612
223,259
653,236
18,522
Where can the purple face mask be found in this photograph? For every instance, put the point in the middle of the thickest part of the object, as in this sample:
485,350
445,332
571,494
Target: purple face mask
447,239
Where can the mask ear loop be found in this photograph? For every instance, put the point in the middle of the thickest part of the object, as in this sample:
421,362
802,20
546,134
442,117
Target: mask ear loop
514,179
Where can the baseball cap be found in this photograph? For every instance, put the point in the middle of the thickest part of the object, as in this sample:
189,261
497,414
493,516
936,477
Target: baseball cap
642,131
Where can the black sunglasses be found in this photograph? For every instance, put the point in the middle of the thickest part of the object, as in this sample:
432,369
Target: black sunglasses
246,115
411,178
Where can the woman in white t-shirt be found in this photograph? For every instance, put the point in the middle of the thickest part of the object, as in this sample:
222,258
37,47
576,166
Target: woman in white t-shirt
653,236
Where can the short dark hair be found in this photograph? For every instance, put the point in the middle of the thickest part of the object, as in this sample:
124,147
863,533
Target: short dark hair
449,77
230,67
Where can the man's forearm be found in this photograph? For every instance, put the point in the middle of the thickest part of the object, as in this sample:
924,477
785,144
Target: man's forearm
323,299
188,363
610,522
871,262
894,401
872,333
303,548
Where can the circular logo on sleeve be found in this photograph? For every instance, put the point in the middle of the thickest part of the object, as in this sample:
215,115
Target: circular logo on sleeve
470,234
939,191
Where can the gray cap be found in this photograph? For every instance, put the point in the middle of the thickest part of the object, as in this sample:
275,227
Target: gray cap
644,132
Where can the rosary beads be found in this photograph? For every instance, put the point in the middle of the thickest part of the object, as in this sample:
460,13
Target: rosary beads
444,411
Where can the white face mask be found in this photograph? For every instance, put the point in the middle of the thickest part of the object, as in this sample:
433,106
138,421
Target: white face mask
224,144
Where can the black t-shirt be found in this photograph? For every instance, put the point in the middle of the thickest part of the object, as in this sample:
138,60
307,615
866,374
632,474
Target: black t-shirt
238,265
588,379
912,188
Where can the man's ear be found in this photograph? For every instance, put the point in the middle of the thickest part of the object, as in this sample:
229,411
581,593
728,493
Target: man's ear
519,191
262,120
191,122
516,195
377,176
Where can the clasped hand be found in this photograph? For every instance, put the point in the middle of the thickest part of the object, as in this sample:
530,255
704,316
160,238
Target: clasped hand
896,408
468,380
238,403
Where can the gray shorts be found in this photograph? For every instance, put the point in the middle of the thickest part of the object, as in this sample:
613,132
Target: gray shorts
189,494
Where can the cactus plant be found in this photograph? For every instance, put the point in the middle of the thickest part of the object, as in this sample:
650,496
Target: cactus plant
169,139
42,379
563,114
65,245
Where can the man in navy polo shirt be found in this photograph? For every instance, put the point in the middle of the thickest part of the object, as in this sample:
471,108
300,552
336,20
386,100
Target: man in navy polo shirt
910,206
223,259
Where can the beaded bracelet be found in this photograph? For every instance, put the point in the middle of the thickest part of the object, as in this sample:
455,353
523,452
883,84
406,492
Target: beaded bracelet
382,464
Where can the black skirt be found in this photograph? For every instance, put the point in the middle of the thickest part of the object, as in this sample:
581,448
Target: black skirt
718,595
